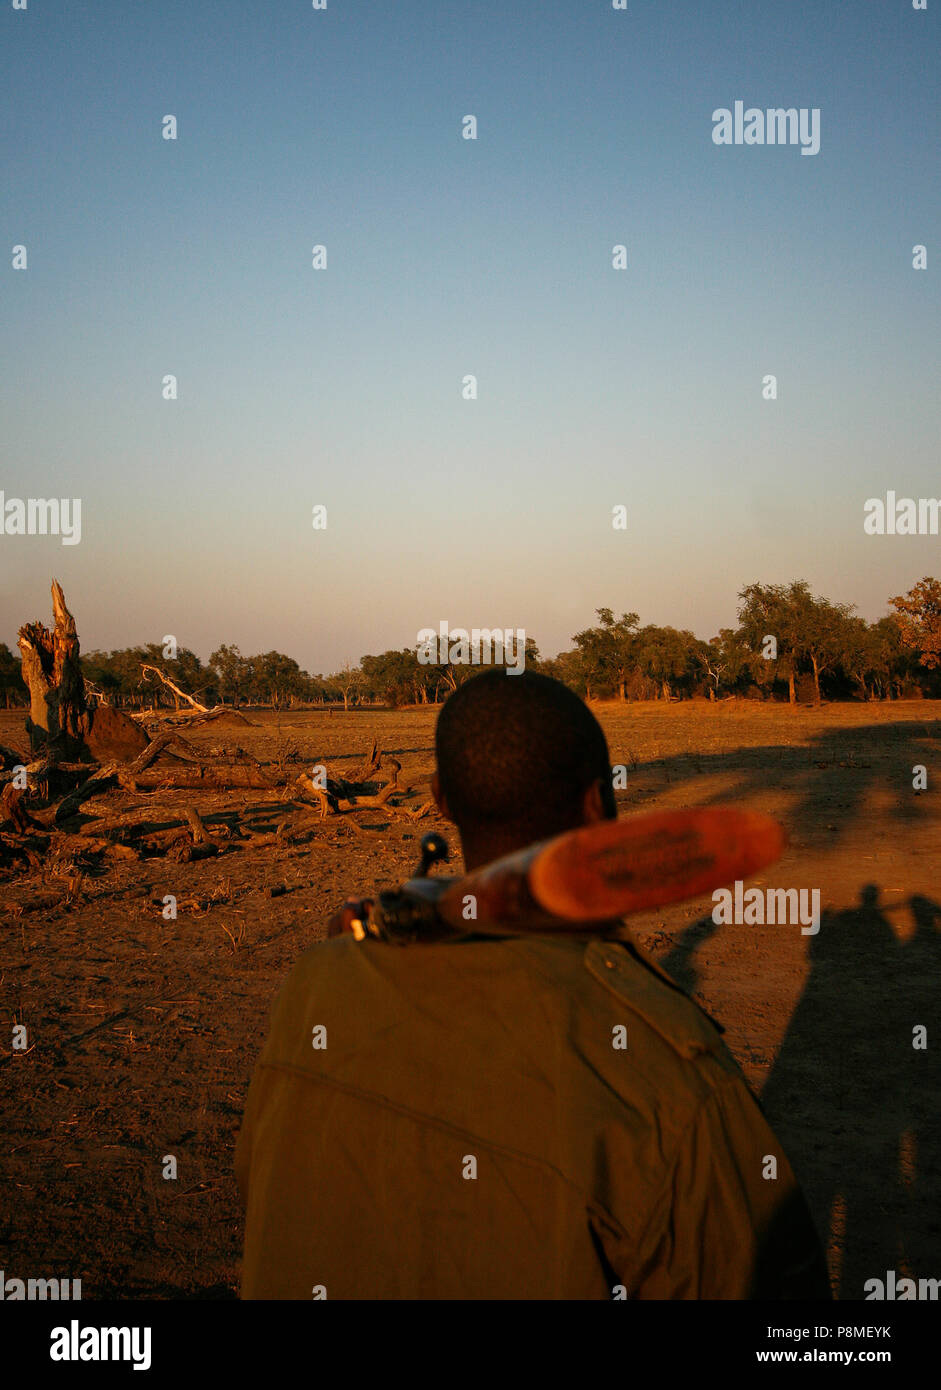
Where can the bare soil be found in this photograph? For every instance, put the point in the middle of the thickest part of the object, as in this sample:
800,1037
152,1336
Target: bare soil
142,1032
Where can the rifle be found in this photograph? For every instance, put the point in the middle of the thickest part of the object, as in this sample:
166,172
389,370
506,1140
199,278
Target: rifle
597,874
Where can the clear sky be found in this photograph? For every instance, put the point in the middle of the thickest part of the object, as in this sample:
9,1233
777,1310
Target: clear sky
448,257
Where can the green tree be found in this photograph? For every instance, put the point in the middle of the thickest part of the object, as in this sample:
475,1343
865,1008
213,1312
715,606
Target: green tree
231,670
767,610
728,660
875,658
395,677
825,632
667,657
608,651
809,631
918,616
570,669
346,684
278,677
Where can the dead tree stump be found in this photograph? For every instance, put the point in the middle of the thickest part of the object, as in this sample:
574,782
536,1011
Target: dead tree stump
53,674
61,721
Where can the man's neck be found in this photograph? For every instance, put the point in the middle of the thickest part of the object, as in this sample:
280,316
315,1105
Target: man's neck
481,850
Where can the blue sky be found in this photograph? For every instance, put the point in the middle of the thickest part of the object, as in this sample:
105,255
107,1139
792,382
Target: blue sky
447,257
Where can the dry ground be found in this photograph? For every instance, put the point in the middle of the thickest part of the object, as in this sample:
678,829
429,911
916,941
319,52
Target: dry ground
143,1032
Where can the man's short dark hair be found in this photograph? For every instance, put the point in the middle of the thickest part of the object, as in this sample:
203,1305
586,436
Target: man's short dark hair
519,752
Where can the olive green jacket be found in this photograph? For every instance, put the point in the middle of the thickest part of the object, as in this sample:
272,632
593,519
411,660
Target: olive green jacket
528,1117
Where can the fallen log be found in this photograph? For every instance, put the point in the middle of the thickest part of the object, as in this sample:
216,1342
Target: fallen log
96,784
131,772
181,718
132,826
200,777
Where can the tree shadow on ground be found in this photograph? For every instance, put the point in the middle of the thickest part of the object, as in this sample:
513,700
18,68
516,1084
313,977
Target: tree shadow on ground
830,776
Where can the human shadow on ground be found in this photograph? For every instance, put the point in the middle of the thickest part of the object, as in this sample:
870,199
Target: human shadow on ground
853,1094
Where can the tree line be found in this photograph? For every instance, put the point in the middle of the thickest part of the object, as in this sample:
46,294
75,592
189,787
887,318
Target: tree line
789,644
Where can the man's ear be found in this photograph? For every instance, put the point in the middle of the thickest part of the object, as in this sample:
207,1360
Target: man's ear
438,795
594,807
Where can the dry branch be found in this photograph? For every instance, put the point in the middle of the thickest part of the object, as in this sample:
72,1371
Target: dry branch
380,799
171,685
143,760
370,764
201,835
95,1028
95,784
329,799
326,799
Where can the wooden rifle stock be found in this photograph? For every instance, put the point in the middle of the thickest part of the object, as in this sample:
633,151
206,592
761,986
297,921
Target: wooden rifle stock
598,873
